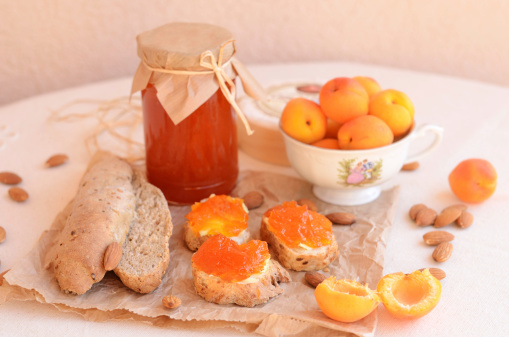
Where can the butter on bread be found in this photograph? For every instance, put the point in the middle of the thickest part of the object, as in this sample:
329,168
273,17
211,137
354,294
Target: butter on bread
301,258
194,239
146,253
257,289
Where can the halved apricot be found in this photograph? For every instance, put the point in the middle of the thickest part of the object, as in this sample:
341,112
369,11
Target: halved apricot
345,300
409,296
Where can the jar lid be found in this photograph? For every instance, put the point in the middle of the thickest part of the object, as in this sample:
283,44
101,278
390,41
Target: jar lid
179,45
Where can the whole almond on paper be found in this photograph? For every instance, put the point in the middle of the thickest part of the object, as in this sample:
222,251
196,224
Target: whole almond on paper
18,194
434,238
112,255
9,178
425,217
448,216
57,160
310,204
410,166
253,199
3,234
442,252
416,209
465,220
341,218
438,273
171,302
314,278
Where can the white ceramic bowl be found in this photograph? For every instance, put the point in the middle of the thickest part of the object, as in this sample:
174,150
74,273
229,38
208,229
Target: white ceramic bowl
353,177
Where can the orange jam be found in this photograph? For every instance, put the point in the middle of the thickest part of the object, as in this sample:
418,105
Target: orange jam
195,158
224,258
219,214
295,225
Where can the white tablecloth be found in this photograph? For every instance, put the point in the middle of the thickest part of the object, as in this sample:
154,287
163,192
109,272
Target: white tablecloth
475,117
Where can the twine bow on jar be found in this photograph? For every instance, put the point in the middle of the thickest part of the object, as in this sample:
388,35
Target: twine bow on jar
226,84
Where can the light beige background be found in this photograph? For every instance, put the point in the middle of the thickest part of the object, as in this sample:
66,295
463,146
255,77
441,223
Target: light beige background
47,45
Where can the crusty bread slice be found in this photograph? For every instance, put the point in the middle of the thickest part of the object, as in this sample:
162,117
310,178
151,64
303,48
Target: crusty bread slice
194,242
299,259
256,289
146,253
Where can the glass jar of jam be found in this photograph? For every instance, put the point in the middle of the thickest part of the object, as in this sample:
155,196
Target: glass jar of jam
185,79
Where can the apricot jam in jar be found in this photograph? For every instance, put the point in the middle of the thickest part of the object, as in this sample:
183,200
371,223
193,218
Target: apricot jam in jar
186,79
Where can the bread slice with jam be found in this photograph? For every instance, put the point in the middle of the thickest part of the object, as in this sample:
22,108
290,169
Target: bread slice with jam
218,214
301,239
225,272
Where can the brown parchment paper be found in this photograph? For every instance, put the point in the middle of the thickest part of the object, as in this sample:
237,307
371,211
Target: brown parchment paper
294,313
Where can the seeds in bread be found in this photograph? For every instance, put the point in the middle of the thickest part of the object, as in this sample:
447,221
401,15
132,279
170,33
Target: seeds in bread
146,253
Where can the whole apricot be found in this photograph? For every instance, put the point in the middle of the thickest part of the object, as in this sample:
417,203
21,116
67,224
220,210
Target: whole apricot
473,180
395,108
332,128
343,99
304,120
327,143
364,132
370,85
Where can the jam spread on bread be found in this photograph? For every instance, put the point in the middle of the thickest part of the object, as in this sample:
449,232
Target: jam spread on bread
219,214
224,258
297,226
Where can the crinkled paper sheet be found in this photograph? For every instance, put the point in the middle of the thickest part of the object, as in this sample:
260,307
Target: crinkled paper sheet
295,312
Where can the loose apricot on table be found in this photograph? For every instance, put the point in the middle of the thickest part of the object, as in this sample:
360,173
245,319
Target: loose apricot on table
409,296
345,300
473,180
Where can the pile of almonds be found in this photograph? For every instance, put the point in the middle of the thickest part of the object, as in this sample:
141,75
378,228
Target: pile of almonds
425,216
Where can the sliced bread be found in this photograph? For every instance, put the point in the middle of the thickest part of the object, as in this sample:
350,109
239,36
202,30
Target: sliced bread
146,253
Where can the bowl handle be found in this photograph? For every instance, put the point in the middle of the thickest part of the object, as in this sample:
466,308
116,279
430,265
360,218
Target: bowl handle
422,131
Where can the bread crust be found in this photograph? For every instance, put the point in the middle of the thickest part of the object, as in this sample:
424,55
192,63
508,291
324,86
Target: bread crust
214,289
299,259
101,214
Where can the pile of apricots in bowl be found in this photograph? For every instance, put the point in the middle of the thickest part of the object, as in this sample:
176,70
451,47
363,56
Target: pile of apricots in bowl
352,114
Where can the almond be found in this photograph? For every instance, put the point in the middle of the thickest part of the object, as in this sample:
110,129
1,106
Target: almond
310,204
18,194
253,200
112,255
415,209
9,178
442,252
434,238
425,217
57,160
2,234
171,302
2,276
448,216
314,278
461,207
341,218
465,219
438,273
410,166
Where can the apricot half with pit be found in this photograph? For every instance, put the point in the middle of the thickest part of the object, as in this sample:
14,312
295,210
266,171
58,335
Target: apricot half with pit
409,296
